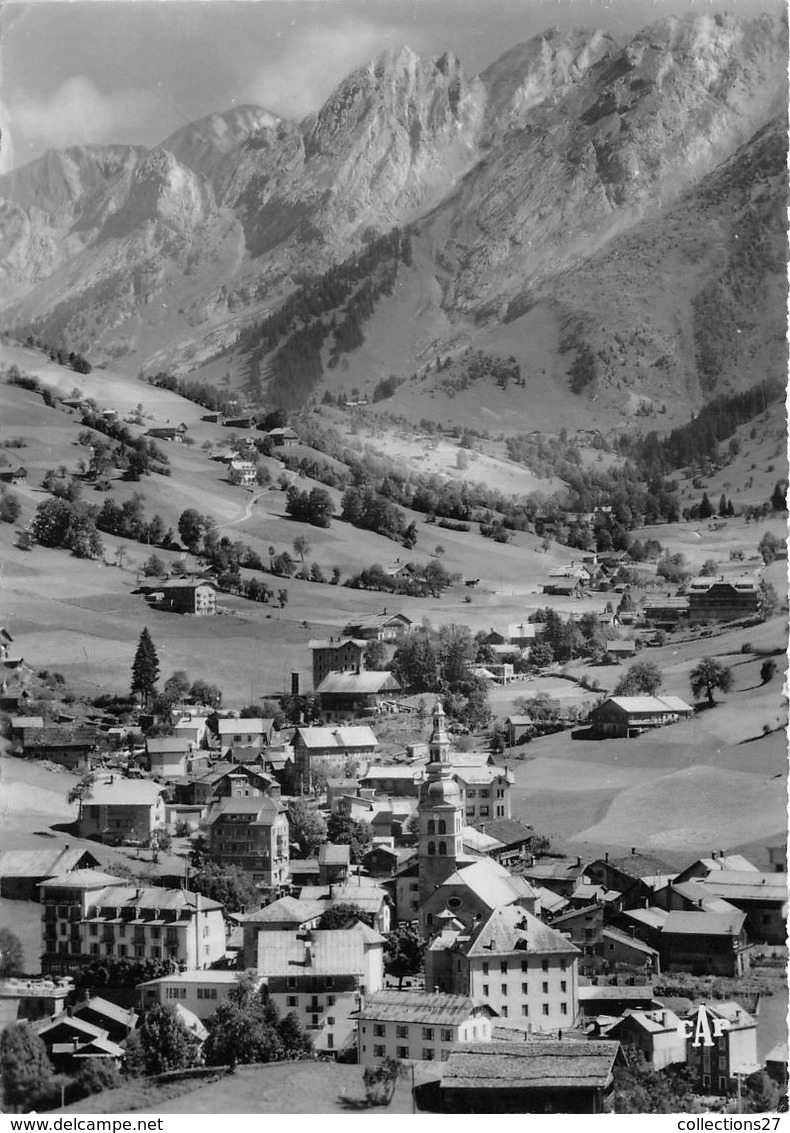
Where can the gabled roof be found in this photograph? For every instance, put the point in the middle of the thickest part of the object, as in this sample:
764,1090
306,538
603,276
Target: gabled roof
490,882
124,895
376,621
81,879
746,885
107,1010
163,745
368,896
693,892
337,643
41,863
353,736
264,810
428,1007
513,929
638,992
736,1016
703,924
648,703
333,952
619,937
652,1022
329,854
368,681
233,726
186,584
549,901
19,722
286,910
100,1046
539,1064
479,776
73,1023
392,771
124,792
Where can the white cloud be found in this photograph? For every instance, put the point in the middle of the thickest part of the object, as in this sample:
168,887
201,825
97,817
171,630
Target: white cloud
77,113
317,56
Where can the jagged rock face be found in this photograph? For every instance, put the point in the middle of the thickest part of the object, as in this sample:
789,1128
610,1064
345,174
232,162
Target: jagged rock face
559,147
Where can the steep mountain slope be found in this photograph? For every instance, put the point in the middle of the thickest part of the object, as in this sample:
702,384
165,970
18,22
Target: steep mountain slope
522,183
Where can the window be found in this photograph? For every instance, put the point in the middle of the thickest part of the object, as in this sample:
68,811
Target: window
545,965
122,930
454,903
524,966
121,949
471,793
563,985
504,1012
313,1020
442,848
379,1030
94,948
427,1034
524,1009
431,847
431,826
545,988
485,990
401,1032
503,988
157,932
401,1052
545,1008
330,1020
291,1001
93,929
292,982
442,827
330,1042
330,1001
427,1054
563,1009
484,812
563,965
378,1051
484,793
444,1055
485,967
446,1035
329,981
525,989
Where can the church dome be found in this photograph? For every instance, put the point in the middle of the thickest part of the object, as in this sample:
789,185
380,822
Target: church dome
440,792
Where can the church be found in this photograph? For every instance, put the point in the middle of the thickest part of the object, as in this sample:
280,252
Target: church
485,938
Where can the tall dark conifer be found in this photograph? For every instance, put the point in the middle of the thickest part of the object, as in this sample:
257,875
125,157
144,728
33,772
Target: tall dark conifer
145,668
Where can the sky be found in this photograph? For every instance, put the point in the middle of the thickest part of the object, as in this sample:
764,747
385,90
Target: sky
133,71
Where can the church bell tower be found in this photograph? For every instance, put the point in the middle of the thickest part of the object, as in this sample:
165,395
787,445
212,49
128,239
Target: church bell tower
440,812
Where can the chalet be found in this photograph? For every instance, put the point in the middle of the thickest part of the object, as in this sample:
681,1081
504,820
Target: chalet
366,894
168,432
615,999
191,728
392,779
567,580
541,1076
518,728
659,1034
22,871
513,836
381,627
241,781
70,747
583,927
622,874
724,600
729,1049
417,1025
560,876
25,728
251,833
213,418
69,1039
627,716
620,951
325,751
341,655
245,731
246,421
122,810
284,437
119,1022
242,472
621,649
168,756
186,596
705,943
762,897
344,696
666,613
523,634
13,475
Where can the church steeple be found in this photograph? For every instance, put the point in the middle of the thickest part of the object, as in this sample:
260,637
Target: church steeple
440,812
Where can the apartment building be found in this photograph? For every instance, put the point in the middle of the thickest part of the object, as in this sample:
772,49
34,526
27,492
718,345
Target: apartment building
417,1025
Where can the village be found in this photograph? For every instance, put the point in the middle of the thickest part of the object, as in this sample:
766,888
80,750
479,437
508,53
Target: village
381,898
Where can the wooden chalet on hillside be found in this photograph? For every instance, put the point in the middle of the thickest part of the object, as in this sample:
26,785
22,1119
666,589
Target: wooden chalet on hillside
626,716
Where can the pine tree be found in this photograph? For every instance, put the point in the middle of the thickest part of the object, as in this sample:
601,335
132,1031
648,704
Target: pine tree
145,668
723,505
705,508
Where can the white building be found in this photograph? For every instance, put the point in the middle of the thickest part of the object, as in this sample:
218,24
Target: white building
321,975
417,1025
485,791
88,915
199,992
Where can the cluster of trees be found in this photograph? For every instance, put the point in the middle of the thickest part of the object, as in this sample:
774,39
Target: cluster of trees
201,392
247,1028
127,520
366,508
77,362
386,388
314,507
70,526
141,455
10,506
440,661
430,579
